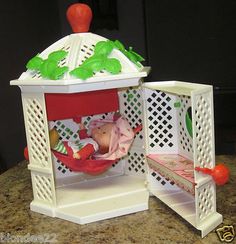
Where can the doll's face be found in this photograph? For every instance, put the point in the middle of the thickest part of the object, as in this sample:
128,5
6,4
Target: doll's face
102,134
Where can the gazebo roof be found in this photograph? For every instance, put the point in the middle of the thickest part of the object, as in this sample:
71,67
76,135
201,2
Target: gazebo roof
80,47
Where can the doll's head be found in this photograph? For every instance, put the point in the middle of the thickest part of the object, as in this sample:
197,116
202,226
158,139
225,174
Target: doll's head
102,135
113,135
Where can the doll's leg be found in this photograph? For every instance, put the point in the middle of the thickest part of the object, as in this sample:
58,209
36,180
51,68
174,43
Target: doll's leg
55,143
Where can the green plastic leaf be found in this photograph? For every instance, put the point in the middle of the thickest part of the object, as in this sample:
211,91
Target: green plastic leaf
188,121
119,45
34,63
112,65
130,96
82,73
95,63
138,57
132,57
47,68
103,48
58,55
59,72
177,104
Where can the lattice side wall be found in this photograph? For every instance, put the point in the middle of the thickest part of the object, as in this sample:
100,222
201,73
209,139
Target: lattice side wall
203,125
160,122
43,188
135,163
131,106
205,201
130,100
36,130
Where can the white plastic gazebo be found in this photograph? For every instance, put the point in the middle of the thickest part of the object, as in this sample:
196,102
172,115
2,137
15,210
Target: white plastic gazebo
161,160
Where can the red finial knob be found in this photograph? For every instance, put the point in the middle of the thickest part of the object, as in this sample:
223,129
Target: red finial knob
79,16
220,173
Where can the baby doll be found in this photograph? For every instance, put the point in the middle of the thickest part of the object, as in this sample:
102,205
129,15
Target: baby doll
106,139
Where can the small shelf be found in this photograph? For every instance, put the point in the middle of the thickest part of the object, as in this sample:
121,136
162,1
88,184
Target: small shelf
174,167
180,201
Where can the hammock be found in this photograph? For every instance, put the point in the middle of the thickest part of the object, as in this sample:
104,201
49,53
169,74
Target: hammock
88,166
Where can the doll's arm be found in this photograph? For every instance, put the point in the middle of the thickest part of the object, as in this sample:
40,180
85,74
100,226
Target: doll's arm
84,152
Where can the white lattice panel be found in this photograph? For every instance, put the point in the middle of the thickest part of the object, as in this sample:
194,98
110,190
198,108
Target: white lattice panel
86,51
157,181
36,130
131,107
160,122
205,201
204,129
135,163
43,186
64,62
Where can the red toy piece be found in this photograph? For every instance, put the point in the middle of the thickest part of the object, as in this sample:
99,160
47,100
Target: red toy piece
26,153
220,173
64,106
138,129
79,16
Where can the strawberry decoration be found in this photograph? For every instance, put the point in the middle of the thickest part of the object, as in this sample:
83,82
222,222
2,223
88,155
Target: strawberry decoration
79,16
220,173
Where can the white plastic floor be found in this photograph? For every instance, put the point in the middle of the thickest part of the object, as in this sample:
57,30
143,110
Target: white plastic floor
105,198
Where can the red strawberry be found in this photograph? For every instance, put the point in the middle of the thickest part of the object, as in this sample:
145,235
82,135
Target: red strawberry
79,16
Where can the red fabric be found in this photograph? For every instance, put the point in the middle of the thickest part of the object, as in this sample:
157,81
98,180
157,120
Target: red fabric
89,166
77,119
86,151
138,129
76,105
83,134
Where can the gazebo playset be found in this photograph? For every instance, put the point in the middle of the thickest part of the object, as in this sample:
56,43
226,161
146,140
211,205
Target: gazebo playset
84,78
